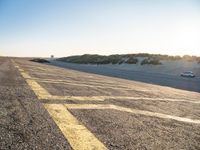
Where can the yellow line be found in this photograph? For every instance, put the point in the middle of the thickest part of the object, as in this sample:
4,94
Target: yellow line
89,106
25,75
103,98
130,110
69,74
86,85
89,83
79,98
44,94
38,90
45,73
41,68
79,137
34,67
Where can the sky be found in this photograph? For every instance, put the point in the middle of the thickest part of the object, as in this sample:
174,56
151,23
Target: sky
73,27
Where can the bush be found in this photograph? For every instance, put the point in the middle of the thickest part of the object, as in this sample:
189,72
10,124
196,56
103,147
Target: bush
39,60
120,62
189,58
132,60
144,61
155,62
85,59
151,61
115,59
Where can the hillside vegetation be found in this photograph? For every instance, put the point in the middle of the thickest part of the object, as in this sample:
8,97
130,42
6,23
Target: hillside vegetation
39,60
142,58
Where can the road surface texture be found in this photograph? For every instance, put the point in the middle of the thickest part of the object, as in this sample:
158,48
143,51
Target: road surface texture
159,78
47,107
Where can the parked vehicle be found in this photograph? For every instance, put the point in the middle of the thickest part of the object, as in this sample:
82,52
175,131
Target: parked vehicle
188,74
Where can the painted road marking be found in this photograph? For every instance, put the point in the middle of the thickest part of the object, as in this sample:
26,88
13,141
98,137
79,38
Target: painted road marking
38,90
103,98
85,85
79,137
41,68
131,110
44,94
89,83
69,74
45,73
35,67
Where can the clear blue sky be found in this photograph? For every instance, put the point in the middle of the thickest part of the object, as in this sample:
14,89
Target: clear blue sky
73,27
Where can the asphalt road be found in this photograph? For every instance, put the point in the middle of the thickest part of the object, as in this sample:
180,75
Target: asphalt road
47,107
190,84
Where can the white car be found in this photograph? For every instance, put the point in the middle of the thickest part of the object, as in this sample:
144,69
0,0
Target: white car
189,74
